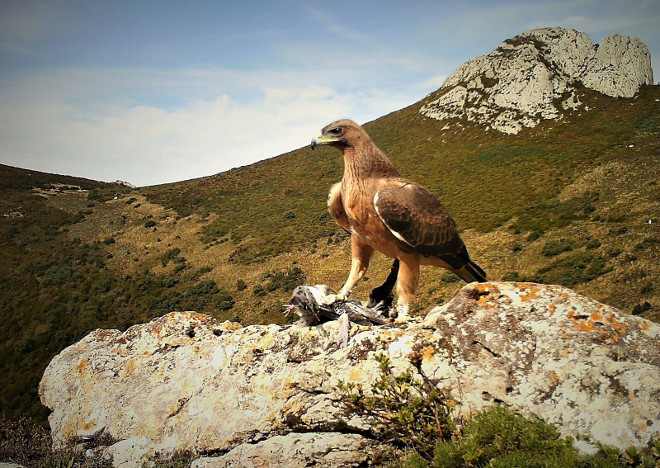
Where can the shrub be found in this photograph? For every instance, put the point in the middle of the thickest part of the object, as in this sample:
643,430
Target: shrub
511,276
500,437
285,280
593,244
206,294
409,412
641,308
647,243
552,247
578,268
169,281
172,255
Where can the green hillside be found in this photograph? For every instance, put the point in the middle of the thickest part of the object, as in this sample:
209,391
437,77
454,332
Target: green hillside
567,202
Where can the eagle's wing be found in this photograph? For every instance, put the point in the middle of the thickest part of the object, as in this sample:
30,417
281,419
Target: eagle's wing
336,206
415,217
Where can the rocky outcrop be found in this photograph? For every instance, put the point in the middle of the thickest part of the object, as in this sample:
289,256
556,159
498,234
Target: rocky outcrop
534,76
249,394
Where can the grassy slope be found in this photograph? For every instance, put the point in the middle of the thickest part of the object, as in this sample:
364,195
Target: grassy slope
566,202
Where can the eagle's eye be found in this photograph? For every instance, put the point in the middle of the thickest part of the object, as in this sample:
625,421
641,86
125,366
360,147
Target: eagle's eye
335,131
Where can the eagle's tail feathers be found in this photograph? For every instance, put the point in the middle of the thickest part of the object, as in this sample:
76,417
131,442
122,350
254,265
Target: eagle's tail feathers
471,272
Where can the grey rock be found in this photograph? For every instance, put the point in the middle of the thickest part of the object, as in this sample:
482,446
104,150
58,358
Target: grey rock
134,451
580,365
534,76
295,450
186,382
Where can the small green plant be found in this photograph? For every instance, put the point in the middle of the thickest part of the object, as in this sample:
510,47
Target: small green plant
408,411
180,459
59,460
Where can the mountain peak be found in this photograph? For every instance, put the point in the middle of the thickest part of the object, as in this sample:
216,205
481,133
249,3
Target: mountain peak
534,76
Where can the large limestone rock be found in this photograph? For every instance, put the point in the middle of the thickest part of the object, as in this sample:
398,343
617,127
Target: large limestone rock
534,76
269,393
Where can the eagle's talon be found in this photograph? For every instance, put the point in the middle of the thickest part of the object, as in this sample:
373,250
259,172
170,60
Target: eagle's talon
401,314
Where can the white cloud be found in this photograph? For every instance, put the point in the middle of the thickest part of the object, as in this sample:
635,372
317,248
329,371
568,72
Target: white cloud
82,123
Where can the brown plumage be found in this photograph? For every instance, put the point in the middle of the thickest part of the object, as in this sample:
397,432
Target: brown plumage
385,212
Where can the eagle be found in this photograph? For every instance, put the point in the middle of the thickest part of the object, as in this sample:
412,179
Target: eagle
387,213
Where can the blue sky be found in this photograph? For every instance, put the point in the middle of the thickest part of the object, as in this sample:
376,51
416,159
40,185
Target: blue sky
157,91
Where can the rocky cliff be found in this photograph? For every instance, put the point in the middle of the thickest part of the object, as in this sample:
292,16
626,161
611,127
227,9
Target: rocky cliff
266,395
535,76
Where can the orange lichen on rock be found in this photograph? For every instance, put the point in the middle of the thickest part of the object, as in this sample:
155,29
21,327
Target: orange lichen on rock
429,352
83,365
484,288
485,294
104,334
586,326
532,294
89,425
130,368
615,323
595,321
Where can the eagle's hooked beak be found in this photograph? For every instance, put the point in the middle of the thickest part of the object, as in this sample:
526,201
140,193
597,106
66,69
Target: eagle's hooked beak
320,139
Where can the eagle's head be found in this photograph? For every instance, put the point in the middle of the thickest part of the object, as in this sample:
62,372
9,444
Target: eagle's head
339,134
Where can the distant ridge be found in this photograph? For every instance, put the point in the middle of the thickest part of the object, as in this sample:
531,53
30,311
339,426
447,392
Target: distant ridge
534,76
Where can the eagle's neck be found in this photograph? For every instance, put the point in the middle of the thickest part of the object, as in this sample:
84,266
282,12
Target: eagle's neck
364,160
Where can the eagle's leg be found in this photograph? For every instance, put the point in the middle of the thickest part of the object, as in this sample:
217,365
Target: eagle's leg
361,254
406,285
381,297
